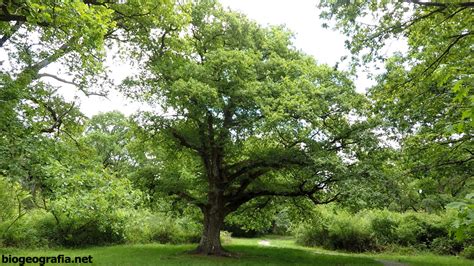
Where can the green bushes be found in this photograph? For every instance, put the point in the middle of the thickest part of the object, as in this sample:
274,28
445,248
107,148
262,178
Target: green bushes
147,227
341,231
40,229
87,209
350,234
31,230
445,246
468,252
420,229
379,230
383,226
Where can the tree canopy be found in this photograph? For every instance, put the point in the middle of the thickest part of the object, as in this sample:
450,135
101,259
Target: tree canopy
425,95
241,119
247,116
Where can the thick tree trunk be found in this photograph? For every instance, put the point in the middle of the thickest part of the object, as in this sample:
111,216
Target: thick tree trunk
214,215
210,243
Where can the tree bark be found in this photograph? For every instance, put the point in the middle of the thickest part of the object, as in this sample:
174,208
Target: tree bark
214,215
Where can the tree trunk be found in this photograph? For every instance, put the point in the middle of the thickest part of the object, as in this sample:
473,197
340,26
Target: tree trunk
214,215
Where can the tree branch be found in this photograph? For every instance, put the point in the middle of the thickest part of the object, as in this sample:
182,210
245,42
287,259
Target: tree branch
446,51
57,78
183,141
236,201
8,35
246,166
440,4
188,198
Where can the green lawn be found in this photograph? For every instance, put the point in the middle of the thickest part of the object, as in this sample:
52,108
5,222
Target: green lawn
282,251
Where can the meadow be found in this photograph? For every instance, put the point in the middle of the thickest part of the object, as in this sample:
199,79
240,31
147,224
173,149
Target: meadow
271,250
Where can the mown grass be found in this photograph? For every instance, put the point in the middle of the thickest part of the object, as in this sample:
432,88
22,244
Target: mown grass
425,259
249,253
282,251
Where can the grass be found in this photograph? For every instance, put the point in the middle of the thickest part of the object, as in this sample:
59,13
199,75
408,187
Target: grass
282,251
425,259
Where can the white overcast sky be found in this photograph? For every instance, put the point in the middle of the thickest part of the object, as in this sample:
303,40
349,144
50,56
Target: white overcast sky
300,16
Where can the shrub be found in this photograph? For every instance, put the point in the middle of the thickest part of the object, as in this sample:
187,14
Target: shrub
148,227
383,225
92,208
32,230
445,246
408,230
314,234
420,229
337,231
468,252
282,223
350,233
380,229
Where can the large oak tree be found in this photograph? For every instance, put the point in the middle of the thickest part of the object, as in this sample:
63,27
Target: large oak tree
242,116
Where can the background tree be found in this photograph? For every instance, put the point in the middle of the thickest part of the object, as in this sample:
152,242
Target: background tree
109,134
248,117
41,147
64,41
425,97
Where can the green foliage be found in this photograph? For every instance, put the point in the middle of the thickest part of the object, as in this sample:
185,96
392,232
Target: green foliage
89,201
468,252
432,74
379,230
33,230
420,229
445,246
145,227
463,226
424,98
41,229
12,200
109,134
340,231
244,118
383,225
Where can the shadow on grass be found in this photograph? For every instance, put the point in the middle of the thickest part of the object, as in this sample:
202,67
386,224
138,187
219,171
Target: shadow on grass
247,255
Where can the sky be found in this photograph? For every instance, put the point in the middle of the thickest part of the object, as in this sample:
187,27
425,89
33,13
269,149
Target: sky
301,17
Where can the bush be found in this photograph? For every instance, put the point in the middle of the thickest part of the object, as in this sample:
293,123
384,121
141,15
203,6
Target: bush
420,229
350,233
32,230
376,230
282,223
148,228
338,231
39,229
168,231
445,246
89,234
468,252
408,231
314,234
383,225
